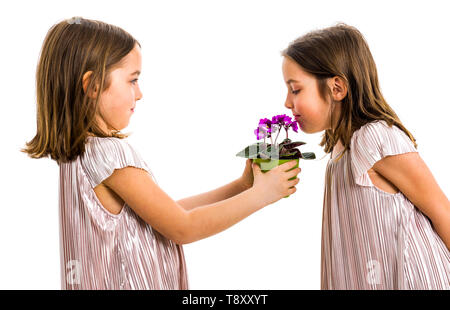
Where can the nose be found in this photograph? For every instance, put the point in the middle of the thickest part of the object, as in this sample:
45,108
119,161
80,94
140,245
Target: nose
288,104
139,94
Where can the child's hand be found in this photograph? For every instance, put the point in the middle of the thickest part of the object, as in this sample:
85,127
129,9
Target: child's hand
247,176
275,184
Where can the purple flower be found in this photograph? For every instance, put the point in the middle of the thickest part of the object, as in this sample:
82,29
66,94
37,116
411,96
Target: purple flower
260,133
281,119
294,126
264,129
265,122
268,127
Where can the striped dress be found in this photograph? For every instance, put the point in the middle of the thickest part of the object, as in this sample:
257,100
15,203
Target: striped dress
372,239
101,250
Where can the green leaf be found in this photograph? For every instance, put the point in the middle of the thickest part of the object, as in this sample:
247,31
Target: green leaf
253,150
286,151
308,155
286,141
291,145
291,154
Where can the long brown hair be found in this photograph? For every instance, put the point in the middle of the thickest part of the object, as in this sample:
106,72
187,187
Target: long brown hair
65,112
341,50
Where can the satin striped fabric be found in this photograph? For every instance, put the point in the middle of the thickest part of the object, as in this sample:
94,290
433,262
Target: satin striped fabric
101,250
372,239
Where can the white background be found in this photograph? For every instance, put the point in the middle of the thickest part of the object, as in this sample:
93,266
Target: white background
211,70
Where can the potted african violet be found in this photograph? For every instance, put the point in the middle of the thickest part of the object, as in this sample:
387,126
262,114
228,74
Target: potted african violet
270,155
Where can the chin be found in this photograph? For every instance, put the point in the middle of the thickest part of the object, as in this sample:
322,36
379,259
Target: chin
302,128
306,131
309,130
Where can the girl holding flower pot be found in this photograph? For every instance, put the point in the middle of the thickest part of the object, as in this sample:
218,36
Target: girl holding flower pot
119,229
386,222
267,156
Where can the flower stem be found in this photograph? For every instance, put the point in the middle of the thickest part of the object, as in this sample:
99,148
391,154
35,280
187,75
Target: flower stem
279,129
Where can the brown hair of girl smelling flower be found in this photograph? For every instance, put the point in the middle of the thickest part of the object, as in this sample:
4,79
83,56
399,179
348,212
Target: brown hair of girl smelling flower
342,51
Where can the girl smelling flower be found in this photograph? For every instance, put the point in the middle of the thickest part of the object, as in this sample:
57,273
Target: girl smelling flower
386,222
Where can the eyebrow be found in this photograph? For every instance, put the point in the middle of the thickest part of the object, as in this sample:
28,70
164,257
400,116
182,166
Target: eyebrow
291,80
136,72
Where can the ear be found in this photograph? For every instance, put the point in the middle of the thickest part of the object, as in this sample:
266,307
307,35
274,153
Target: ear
338,87
86,79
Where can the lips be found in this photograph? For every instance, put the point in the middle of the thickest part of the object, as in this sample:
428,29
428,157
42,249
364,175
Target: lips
297,118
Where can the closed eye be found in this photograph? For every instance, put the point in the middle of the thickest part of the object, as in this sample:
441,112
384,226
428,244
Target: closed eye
295,92
134,81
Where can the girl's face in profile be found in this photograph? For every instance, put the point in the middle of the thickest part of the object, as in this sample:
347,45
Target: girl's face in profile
310,110
117,103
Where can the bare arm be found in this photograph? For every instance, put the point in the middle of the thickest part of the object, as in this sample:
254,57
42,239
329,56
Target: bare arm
227,191
409,173
136,187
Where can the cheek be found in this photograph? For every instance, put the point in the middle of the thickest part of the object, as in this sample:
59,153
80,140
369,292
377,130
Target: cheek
303,104
104,106
311,108
120,102
113,111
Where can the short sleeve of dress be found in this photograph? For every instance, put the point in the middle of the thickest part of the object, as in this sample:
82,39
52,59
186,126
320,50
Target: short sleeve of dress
103,155
371,143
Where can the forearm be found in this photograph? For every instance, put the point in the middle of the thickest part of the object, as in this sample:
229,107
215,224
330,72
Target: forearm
211,219
229,190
